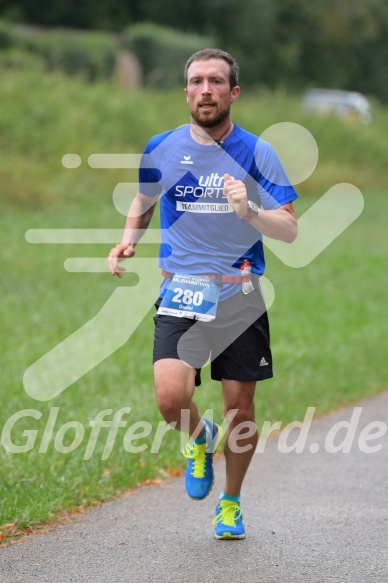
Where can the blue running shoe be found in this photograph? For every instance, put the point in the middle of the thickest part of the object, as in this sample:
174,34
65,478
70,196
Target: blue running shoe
199,476
228,521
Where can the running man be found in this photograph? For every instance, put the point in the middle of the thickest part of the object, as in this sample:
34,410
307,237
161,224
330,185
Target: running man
220,189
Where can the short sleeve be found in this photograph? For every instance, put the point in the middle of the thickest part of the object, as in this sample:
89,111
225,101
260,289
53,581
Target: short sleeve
149,176
274,187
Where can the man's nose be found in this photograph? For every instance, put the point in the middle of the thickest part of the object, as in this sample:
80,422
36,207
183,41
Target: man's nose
206,88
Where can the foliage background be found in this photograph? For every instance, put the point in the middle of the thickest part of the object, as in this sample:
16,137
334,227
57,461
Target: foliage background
289,44
329,318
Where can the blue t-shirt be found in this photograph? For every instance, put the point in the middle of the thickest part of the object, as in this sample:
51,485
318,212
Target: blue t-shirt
200,231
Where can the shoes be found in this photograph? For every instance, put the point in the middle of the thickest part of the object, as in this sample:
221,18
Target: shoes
199,476
228,521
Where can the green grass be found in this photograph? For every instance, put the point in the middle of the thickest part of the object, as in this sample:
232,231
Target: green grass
44,116
328,319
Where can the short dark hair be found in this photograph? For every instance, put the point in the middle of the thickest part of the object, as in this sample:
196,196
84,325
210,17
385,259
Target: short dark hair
206,54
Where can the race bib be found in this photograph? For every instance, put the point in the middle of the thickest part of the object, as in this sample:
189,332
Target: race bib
191,296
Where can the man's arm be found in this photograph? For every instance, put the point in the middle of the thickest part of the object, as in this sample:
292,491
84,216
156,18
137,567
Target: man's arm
280,223
139,217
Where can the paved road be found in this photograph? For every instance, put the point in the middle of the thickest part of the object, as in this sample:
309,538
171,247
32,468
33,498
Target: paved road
310,517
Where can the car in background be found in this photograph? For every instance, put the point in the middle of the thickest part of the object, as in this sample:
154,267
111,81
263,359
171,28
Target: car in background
346,104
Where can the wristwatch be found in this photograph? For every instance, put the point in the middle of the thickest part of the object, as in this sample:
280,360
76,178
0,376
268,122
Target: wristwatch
253,208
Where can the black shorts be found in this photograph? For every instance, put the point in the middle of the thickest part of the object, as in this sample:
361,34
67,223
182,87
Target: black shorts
237,341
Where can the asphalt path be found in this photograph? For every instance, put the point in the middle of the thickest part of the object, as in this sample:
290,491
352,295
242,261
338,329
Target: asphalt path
315,517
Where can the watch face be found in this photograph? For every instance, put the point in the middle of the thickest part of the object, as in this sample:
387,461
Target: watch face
253,207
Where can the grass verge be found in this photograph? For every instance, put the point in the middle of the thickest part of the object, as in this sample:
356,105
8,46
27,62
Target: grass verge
328,330
328,318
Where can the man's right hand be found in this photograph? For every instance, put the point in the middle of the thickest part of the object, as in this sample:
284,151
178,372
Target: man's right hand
117,254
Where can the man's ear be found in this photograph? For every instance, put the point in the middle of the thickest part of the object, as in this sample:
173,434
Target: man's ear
234,93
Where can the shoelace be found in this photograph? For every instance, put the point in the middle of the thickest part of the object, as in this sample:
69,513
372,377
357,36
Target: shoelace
230,512
196,453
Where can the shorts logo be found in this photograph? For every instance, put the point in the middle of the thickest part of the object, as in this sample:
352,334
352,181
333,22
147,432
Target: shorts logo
263,362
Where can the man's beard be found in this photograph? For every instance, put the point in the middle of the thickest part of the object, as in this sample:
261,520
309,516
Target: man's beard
211,122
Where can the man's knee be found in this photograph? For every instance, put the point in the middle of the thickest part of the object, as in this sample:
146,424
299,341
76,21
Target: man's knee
241,402
240,415
170,403
242,428
174,385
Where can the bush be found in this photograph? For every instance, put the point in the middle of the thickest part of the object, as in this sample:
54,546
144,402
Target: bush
162,52
90,54
14,59
5,35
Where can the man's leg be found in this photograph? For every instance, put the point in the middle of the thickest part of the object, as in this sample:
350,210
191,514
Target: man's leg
239,450
175,385
240,445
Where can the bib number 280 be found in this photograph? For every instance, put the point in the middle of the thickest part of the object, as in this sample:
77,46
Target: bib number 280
187,296
190,296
